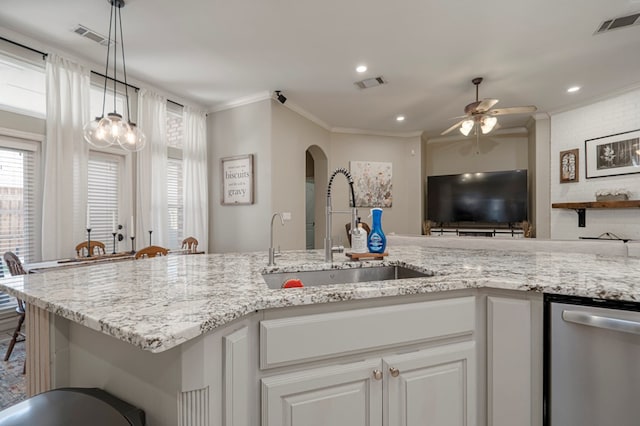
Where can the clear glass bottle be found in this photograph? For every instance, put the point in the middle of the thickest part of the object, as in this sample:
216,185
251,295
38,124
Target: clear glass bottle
359,240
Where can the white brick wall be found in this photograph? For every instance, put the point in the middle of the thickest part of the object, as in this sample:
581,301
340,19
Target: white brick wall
569,130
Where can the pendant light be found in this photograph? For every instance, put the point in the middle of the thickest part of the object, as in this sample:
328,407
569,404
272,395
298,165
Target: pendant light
104,131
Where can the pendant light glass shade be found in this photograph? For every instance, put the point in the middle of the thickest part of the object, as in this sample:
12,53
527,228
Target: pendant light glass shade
95,132
106,131
134,140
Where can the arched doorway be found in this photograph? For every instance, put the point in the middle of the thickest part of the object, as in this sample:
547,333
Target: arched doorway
315,187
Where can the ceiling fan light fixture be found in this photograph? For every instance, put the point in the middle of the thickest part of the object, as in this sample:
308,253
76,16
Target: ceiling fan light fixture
487,124
466,126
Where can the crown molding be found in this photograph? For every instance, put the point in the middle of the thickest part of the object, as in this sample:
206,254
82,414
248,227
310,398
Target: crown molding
595,99
375,132
306,114
511,131
256,97
309,116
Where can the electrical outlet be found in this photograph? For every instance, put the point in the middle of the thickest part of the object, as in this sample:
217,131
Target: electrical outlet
286,215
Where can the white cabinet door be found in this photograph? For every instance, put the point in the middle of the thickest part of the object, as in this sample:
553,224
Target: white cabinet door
511,386
434,387
340,395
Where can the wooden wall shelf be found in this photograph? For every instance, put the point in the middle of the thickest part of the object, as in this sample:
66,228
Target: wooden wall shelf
580,207
626,204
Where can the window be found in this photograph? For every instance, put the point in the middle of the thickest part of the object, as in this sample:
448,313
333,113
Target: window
22,87
104,183
96,101
17,204
174,176
174,201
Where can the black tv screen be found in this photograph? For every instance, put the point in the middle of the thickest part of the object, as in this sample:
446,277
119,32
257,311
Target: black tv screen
495,197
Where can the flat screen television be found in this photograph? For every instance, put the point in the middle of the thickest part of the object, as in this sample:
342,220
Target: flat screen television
489,197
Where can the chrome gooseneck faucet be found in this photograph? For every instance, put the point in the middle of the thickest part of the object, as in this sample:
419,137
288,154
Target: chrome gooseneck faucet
329,249
272,251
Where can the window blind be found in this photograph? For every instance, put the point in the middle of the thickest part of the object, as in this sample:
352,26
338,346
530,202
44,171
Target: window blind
174,201
103,194
17,208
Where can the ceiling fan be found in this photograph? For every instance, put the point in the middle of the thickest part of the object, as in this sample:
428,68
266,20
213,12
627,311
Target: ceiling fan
480,114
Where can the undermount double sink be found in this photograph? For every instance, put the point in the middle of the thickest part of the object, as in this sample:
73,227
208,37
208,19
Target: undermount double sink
343,276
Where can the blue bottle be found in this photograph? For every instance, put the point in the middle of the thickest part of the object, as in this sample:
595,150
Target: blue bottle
376,241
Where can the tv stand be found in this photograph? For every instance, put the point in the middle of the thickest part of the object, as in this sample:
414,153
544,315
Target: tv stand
465,233
479,232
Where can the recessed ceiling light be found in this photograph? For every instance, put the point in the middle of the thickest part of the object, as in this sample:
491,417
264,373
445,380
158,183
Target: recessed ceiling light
400,118
573,89
361,68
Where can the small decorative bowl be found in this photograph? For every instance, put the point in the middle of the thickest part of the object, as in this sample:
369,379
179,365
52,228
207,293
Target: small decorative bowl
610,197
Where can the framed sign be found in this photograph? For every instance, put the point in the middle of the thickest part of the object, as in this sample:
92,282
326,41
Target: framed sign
569,166
612,155
237,180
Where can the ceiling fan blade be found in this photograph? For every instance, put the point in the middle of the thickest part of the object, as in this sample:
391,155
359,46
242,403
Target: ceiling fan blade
485,104
451,128
512,110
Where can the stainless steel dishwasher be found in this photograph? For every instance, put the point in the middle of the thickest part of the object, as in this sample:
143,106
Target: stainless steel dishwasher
592,362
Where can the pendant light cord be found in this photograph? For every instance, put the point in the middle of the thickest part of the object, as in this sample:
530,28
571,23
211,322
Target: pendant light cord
106,68
115,54
124,68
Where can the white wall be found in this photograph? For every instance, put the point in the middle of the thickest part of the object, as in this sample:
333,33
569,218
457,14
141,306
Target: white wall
569,130
23,123
240,131
496,152
405,216
291,136
539,183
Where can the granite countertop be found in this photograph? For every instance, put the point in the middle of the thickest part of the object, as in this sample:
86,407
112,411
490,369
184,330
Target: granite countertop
157,304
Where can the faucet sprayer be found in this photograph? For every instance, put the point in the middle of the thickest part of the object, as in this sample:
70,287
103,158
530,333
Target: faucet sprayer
328,244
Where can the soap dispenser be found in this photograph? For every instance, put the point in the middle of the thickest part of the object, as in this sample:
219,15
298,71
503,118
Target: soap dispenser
376,241
359,240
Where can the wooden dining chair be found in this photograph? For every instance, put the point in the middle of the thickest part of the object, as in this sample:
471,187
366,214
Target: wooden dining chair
190,244
96,246
151,251
15,268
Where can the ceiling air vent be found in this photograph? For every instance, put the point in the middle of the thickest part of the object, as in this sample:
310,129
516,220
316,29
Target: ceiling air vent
371,82
91,35
620,22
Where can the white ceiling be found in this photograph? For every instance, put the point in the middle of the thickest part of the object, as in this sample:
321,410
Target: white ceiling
215,52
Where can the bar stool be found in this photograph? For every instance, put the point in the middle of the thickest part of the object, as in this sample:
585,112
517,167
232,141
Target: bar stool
73,407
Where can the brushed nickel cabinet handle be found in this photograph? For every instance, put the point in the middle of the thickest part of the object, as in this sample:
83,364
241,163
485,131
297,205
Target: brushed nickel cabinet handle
377,374
394,372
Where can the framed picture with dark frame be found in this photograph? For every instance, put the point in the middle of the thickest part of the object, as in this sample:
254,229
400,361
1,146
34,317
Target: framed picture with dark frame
237,180
612,155
569,166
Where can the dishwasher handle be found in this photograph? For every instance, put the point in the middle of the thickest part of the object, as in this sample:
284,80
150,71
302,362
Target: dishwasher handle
615,324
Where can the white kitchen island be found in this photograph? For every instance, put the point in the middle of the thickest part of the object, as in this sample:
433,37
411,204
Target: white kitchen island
201,340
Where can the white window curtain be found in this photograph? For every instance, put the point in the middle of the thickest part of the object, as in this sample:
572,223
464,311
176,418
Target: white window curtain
152,171
65,155
194,179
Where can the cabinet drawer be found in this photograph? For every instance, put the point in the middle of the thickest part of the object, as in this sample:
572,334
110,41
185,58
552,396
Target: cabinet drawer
305,338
